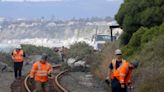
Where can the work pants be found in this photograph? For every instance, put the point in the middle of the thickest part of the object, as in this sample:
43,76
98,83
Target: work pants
62,57
41,87
116,86
18,69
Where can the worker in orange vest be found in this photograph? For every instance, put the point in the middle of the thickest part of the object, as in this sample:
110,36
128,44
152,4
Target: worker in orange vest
18,57
40,71
120,72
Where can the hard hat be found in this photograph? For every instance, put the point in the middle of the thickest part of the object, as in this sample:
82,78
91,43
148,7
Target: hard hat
118,52
18,46
135,63
44,56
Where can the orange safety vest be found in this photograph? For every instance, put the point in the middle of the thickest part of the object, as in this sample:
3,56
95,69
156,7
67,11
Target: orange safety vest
121,72
40,71
18,56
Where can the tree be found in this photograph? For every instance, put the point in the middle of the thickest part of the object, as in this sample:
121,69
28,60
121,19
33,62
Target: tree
136,13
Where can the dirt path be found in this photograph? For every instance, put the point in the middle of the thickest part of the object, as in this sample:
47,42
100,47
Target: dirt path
6,79
82,82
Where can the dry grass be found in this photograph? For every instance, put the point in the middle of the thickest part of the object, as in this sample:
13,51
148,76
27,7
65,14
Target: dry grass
150,75
107,55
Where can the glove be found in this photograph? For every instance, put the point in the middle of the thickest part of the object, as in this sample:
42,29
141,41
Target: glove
129,83
31,80
49,75
122,85
107,81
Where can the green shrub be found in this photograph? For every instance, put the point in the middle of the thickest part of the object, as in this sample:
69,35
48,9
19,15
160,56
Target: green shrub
125,37
140,38
80,51
136,13
38,50
135,41
151,72
6,58
150,34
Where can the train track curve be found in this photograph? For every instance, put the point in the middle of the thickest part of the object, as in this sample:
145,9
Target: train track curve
55,82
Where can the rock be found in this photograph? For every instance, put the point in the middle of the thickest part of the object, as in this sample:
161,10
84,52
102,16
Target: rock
5,68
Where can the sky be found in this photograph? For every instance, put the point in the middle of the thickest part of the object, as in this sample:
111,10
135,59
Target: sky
59,9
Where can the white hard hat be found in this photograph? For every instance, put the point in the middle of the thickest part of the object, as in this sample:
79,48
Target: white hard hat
18,46
118,52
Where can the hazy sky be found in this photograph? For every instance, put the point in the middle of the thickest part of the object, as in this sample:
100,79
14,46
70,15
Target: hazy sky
60,9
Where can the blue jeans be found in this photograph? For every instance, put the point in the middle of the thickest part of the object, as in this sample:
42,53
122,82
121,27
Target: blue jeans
18,69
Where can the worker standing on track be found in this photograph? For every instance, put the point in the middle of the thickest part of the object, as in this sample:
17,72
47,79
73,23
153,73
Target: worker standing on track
18,58
62,53
120,72
40,71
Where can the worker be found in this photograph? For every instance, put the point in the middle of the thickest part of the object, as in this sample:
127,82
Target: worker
18,56
62,53
40,71
132,65
120,72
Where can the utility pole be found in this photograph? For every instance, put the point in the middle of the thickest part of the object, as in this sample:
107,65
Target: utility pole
111,30
96,30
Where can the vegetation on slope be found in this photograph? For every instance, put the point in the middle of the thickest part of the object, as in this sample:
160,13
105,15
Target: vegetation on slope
136,13
6,58
38,50
141,38
80,51
149,50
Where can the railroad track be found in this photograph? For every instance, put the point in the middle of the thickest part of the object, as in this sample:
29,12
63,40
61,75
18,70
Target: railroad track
54,83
